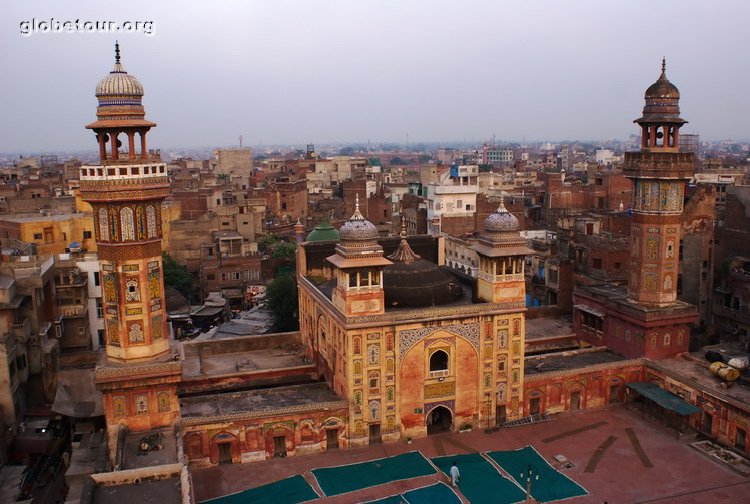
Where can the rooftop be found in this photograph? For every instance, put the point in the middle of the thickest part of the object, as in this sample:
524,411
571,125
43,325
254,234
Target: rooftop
157,491
245,361
564,361
134,459
541,328
258,403
693,370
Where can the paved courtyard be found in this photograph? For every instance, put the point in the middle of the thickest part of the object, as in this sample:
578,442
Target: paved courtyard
616,455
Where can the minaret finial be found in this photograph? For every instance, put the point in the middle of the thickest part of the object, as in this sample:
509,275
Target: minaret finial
356,202
117,52
663,64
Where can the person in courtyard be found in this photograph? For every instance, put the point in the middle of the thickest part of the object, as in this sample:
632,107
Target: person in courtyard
455,474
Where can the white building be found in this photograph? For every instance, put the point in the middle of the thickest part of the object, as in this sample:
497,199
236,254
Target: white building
89,265
454,195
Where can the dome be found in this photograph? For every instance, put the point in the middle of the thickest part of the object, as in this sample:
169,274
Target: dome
119,82
662,88
413,282
501,220
323,232
357,228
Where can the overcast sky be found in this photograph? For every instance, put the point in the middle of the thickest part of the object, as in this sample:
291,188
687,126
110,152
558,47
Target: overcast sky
303,71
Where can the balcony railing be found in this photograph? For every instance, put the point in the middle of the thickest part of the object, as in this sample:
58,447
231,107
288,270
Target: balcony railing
22,330
72,311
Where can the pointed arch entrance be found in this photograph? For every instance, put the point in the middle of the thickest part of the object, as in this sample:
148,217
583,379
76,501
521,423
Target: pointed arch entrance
440,419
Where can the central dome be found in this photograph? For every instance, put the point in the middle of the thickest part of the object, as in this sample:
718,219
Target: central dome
501,220
412,281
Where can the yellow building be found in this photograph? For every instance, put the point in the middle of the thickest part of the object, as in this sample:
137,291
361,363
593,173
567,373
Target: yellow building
52,234
414,349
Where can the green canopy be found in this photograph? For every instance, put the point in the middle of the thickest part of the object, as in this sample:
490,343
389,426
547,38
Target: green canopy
664,398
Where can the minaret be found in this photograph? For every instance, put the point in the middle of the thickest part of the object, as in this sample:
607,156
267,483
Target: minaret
659,173
502,252
359,266
126,189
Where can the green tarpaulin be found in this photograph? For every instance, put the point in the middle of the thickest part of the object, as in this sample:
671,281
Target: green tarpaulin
348,478
480,482
664,398
547,484
287,491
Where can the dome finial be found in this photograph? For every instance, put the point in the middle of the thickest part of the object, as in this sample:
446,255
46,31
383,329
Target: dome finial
117,52
357,214
663,64
403,227
501,208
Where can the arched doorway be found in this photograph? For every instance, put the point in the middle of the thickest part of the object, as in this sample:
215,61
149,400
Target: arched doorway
439,420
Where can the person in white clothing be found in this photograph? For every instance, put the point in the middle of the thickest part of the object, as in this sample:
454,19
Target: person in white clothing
455,474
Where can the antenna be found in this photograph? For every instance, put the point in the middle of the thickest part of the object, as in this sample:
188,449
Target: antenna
240,140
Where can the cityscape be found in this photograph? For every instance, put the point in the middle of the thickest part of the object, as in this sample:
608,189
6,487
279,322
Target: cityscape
426,298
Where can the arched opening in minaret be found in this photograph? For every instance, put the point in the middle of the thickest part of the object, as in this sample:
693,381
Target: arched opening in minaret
439,420
659,136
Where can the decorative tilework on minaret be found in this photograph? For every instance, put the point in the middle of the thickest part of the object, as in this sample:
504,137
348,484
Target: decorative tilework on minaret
126,190
659,173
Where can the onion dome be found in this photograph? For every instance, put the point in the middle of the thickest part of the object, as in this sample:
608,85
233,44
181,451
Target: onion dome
323,232
412,282
662,88
357,228
662,100
119,95
501,220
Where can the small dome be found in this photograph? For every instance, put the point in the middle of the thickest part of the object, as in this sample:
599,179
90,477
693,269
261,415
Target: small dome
662,88
119,82
323,232
501,220
357,228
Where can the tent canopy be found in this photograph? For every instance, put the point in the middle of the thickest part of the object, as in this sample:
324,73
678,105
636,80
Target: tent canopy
664,398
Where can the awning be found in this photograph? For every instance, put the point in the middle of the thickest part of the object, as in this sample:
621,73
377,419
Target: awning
588,309
77,396
664,398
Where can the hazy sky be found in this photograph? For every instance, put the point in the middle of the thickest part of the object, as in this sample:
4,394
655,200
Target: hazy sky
304,71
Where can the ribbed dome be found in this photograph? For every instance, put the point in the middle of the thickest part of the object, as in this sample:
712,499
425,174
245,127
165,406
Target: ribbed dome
357,228
119,82
323,232
501,220
662,88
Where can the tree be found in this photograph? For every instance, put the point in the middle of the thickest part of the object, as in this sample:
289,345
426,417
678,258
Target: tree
282,302
266,242
176,275
283,250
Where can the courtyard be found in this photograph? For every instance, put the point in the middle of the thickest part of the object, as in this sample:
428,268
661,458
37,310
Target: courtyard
614,453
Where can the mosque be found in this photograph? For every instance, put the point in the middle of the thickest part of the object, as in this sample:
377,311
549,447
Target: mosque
392,344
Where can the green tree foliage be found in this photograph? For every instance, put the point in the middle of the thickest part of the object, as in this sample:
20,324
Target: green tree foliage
176,275
281,299
284,250
266,242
